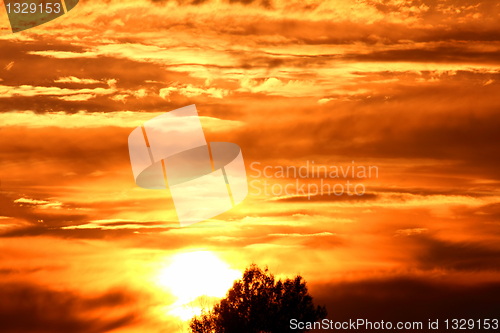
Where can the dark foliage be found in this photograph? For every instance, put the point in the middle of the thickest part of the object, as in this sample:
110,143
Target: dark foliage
257,303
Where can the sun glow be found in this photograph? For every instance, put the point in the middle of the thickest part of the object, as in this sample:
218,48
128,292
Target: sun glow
197,279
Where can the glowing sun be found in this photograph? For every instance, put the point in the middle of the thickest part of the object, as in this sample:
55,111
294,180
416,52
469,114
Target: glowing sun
195,275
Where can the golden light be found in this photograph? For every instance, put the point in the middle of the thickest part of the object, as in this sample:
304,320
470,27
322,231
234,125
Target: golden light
197,279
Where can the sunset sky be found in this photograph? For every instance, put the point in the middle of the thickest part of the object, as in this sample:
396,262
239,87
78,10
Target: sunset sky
410,87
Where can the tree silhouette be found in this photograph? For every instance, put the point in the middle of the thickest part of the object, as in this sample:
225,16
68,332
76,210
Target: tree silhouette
257,303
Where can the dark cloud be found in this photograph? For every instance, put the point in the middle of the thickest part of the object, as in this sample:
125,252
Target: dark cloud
32,308
442,54
459,256
408,299
451,120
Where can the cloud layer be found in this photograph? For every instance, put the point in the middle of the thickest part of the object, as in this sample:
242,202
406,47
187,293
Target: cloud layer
407,86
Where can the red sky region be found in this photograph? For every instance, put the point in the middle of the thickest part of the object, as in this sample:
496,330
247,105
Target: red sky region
408,86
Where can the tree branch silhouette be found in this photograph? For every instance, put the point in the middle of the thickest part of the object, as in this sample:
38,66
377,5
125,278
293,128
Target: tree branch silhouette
257,303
